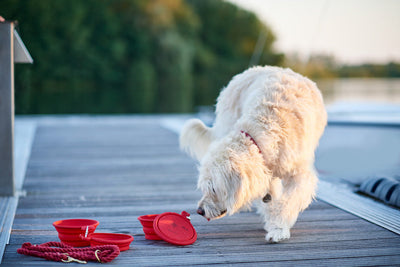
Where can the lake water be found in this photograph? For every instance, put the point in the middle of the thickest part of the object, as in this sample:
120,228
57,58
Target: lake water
381,90
358,152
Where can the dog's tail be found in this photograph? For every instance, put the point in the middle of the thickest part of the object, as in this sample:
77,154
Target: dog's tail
195,138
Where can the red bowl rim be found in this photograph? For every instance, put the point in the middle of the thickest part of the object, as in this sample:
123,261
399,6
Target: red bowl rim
148,217
119,238
85,222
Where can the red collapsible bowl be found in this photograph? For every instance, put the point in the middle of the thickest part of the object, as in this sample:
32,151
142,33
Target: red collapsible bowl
147,223
69,231
121,240
169,226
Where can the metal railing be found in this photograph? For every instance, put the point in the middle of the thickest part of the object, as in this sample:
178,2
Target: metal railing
12,50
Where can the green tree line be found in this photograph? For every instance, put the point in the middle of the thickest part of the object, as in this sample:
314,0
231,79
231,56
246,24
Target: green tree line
131,56
388,70
325,66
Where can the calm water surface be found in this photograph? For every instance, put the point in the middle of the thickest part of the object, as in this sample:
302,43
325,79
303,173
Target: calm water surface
382,90
357,153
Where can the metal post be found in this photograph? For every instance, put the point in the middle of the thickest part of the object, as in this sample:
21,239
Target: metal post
6,108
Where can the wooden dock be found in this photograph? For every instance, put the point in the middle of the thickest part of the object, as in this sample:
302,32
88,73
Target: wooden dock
116,168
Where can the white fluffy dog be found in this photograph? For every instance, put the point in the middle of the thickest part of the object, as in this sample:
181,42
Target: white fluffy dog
260,148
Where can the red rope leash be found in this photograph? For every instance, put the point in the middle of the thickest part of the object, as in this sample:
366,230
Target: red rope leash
57,251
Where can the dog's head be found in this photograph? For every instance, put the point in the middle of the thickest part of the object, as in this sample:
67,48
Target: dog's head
231,175
219,185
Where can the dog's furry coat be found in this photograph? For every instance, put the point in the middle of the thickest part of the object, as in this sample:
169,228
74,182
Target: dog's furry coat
284,114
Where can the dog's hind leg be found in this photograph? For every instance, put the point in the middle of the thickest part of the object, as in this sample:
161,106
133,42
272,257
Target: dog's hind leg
195,138
280,214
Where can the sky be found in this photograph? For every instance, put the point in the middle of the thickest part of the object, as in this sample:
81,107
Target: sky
353,31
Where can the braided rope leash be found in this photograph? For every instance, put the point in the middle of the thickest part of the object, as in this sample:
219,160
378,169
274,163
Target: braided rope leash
57,251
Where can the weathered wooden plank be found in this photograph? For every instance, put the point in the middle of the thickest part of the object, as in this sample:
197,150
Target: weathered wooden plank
219,256
147,248
236,239
350,261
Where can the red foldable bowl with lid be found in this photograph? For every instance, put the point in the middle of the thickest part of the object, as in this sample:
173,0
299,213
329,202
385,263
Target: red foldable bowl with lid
169,226
147,223
69,231
121,240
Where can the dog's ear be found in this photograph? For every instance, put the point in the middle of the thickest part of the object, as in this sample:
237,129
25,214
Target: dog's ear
224,184
251,176
232,191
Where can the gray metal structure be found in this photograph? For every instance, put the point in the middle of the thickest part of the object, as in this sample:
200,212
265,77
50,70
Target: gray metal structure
12,50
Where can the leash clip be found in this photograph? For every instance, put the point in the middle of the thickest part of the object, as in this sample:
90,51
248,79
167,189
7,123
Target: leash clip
97,257
70,259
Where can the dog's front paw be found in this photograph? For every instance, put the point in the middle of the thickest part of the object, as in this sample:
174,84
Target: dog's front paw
276,235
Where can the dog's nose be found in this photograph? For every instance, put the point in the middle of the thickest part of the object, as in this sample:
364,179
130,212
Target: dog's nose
201,211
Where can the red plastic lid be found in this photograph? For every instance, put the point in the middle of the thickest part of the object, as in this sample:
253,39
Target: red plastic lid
175,228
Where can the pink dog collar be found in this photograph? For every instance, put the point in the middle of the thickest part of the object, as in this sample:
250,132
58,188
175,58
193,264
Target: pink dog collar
252,139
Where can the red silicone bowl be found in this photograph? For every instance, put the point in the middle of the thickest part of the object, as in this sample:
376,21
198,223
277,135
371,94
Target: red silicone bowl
69,231
121,240
147,223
